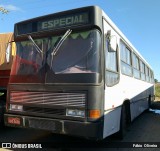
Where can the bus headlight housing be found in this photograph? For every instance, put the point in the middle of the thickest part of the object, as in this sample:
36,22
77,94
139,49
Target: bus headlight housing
15,107
75,112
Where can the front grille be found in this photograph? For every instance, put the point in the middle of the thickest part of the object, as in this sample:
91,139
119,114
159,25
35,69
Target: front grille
49,111
52,103
42,124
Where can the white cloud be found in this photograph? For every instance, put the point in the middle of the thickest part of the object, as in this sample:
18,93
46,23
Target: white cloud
11,7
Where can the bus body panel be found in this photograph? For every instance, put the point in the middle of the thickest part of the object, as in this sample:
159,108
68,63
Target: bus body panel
136,91
36,118
111,121
88,130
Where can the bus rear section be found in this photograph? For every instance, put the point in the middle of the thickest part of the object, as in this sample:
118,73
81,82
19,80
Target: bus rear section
7,51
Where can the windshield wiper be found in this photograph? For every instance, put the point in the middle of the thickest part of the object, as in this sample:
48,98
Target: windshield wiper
35,45
56,48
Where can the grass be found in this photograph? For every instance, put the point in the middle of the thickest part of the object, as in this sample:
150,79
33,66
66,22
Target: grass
157,91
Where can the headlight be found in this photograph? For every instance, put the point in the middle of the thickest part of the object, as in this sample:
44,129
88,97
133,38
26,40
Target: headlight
75,112
1,93
15,107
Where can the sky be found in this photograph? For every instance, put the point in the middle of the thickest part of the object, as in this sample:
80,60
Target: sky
137,19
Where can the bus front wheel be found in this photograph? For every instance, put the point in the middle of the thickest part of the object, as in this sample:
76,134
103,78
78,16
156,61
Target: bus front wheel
123,123
2,108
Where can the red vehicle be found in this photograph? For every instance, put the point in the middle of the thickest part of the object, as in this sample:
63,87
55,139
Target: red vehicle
7,51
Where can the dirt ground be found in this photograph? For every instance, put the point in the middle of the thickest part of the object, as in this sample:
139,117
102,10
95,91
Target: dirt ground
157,98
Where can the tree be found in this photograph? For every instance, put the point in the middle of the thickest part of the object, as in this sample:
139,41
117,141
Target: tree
155,80
3,10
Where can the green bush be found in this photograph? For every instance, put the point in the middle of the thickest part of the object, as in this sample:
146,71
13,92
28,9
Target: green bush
157,90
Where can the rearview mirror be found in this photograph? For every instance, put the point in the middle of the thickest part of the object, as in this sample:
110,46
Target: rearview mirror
112,42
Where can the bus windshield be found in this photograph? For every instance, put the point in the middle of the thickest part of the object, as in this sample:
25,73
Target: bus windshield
78,53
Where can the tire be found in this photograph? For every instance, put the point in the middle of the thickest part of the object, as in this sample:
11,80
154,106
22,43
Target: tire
1,113
123,123
149,101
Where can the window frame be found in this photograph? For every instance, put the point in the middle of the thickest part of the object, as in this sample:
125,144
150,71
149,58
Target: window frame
106,50
147,73
124,62
142,64
135,60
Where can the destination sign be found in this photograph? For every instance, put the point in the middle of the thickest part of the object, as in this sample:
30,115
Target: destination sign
53,22
63,21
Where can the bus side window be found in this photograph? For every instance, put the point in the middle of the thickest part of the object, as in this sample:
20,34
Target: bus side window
136,66
111,76
125,59
147,73
142,69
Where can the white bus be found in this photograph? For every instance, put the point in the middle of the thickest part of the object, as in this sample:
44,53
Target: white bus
75,73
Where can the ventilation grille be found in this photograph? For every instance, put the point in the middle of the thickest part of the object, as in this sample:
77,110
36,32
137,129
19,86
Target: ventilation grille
48,98
47,103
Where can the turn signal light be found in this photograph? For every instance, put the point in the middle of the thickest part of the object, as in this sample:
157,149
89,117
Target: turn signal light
94,114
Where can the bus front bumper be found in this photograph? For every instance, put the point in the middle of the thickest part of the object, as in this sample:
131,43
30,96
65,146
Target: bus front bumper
93,130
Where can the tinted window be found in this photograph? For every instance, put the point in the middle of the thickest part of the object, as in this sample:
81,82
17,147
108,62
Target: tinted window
112,75
125,59
136,71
